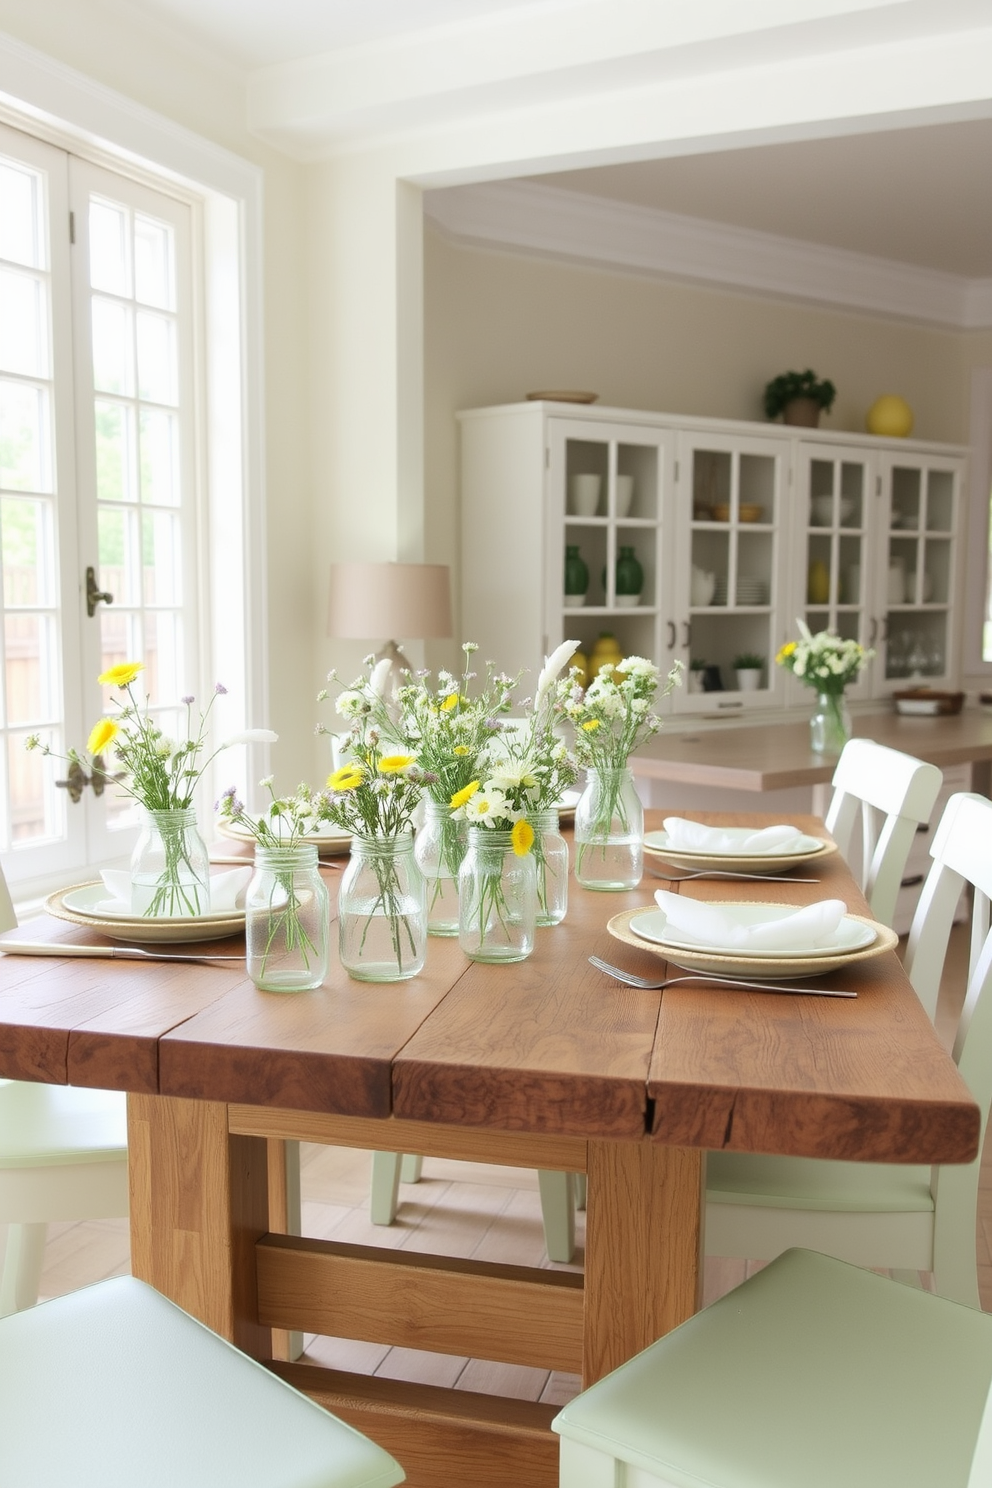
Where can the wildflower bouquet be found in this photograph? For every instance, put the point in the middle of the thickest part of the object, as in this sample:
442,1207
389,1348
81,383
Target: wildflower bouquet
824,660
452,733
381,909
169,868
610,719
287,909
497,891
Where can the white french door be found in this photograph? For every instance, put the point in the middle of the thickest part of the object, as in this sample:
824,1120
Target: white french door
97,483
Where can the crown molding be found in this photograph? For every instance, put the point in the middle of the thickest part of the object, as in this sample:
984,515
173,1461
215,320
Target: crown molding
570,226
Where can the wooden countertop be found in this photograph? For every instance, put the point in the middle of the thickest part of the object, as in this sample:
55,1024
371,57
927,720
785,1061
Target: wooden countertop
777,756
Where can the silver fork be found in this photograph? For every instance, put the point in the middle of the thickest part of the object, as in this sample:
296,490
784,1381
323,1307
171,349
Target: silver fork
727,873
720,981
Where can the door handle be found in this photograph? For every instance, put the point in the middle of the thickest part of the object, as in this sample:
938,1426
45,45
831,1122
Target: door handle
874,631
672,634
687,637
94,594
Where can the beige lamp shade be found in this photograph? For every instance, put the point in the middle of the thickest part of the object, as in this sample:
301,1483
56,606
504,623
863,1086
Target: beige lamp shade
409,601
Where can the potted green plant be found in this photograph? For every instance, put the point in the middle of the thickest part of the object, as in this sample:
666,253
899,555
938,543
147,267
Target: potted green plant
697,667
799,397
748,665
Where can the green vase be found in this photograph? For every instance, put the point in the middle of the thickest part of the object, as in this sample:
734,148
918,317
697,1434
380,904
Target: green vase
576,573
630,574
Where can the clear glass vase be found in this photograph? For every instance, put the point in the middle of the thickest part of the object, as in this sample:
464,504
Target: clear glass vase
382,911
287,919
170,869
439,847
551,863
497,898
830,725
609,832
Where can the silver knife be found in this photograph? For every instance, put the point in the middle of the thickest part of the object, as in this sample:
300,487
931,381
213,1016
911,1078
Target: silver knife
117,953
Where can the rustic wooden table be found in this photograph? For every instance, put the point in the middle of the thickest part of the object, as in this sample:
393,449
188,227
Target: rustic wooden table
546,1064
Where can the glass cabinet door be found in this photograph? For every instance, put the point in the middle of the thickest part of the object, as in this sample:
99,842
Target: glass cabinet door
915,578
607,536
835,503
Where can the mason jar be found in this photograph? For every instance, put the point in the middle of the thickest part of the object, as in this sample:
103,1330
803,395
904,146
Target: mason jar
287,919
170,866
497,898
439,847
609,832
382,911
551,864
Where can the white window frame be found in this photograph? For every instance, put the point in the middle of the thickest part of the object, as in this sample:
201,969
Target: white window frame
62,107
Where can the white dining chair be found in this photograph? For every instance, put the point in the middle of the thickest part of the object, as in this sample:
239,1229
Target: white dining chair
114,1385
894,795
63,1156
811,1373
902,1218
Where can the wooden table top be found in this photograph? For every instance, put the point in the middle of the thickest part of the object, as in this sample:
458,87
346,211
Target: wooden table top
778,756
548,1046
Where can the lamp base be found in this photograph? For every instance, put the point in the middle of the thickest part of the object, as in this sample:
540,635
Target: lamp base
398,669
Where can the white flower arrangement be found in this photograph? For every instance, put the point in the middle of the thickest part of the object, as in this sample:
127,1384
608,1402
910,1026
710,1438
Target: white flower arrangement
825,661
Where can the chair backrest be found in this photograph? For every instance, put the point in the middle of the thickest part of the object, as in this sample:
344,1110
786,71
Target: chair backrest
894,794
962,854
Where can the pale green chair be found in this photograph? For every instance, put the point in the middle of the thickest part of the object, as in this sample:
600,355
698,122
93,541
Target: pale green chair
813,1374
114,1386
63,1156
561,1195
902,1218
893,794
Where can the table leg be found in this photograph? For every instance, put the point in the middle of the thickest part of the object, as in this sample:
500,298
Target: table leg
643,1248
199,1203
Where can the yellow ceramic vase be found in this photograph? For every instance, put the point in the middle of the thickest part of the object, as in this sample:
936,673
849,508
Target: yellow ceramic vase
605,650
818,582
890,417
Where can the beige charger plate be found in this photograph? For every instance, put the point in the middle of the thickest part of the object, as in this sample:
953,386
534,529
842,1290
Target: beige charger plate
328,844
754,863
785,968
141,928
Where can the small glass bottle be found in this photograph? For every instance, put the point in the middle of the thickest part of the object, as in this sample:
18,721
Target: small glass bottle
830,725
382,911
550,852
287,919
170,869
609,832
439,847
497,898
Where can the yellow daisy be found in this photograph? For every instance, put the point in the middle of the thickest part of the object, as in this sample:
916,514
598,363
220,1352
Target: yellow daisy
121,675
346,778
522,838
785,651
451,701
465,794
591,725
395,764
461,749
102,734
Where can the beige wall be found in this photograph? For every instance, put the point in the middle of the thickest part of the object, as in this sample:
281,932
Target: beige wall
498,325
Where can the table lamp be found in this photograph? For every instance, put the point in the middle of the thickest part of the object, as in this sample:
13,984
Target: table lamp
408,600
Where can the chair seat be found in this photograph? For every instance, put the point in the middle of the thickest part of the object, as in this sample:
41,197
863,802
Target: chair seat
114,1386
51,1125
805,1183
813,1372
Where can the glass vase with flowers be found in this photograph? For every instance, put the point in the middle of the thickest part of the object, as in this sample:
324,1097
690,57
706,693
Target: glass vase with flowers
382,909
610,719
169,866
826,662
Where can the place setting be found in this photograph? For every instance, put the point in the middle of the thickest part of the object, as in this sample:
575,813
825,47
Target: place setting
745,942
105,905
701,851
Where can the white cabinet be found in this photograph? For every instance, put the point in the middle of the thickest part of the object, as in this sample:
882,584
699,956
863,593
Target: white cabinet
736,529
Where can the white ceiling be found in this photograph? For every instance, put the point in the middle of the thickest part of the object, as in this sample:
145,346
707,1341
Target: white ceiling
918,196
259,33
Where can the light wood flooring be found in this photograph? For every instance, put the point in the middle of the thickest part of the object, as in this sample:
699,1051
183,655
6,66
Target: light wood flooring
459,1209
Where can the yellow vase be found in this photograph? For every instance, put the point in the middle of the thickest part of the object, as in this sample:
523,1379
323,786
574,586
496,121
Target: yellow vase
890,417
818,582
581,661
605,650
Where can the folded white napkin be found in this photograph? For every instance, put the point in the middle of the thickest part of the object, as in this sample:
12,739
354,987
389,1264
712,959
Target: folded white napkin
803,929
227,890
690,836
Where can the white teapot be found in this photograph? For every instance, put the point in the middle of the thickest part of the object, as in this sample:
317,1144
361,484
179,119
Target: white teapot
702,587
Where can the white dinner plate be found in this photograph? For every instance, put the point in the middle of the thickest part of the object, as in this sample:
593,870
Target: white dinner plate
86,904
329,841
656,845
850,934
734,964
566,806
